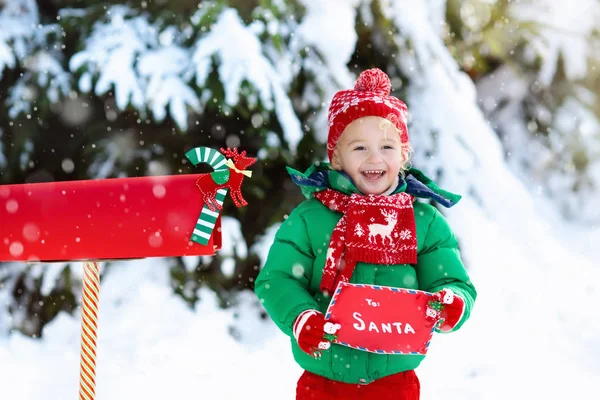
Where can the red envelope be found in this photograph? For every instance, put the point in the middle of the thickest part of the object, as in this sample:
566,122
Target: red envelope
381,319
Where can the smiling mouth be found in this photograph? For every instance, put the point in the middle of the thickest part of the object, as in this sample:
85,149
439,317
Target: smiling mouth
373,175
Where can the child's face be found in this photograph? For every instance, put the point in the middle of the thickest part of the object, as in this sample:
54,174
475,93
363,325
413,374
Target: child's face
369,150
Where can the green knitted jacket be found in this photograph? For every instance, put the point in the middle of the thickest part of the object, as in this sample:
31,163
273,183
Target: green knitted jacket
288,284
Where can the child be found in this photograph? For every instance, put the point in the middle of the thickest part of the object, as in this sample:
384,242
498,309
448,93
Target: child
314,248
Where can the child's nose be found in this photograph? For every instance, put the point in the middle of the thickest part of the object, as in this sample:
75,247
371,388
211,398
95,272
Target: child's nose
374,156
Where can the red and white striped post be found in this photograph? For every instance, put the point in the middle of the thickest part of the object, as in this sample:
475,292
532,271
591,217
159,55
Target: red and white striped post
89,329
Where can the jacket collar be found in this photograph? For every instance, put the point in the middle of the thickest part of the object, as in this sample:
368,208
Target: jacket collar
320,176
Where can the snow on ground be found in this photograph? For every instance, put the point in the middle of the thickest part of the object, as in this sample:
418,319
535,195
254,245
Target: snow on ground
150,344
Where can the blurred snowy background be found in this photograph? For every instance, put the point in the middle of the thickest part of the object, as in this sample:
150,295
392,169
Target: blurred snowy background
504,109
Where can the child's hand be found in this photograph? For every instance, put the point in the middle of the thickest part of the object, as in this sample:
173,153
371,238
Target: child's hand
312,332
449,309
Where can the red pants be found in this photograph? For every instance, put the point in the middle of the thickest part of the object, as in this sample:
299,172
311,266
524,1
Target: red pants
402,386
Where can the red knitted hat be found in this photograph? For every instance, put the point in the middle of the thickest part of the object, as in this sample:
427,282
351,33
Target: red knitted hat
370,97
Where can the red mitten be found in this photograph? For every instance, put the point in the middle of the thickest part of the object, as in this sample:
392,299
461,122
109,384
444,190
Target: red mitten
449,310
312,332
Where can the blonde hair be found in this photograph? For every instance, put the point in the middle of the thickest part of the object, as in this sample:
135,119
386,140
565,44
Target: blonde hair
405,147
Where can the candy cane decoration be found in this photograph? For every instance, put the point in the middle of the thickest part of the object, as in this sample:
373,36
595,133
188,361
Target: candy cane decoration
207,155
89,324
208,218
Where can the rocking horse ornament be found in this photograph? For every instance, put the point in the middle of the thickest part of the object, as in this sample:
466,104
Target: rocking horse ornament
210,184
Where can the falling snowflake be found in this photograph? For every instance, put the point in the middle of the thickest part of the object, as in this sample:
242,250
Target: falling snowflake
405,234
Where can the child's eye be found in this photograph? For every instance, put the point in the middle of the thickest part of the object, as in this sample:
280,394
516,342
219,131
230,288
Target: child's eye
388,147
359,148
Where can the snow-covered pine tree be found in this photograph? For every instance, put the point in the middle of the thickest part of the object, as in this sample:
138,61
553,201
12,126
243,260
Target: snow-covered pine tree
142,84
537,78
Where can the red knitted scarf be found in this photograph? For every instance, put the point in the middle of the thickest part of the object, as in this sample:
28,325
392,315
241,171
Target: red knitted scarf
374,229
